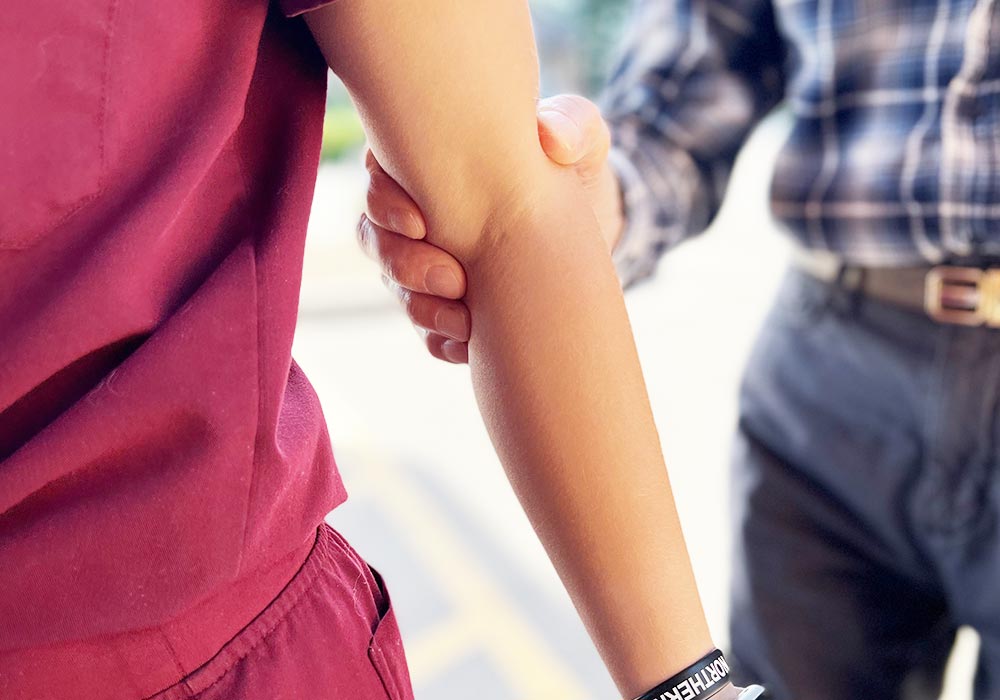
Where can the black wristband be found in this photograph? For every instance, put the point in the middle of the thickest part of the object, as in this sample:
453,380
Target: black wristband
697,682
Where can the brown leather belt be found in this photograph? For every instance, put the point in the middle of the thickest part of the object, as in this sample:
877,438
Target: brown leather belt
967,296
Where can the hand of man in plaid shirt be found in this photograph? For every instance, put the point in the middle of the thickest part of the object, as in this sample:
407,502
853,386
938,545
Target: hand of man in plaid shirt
891,160
430,283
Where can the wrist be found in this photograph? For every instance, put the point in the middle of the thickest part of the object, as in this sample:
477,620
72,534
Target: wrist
707,678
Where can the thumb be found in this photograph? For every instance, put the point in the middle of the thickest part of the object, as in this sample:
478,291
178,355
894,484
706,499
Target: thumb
572,132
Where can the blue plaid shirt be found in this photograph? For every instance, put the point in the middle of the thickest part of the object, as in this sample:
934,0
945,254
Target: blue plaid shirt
894,157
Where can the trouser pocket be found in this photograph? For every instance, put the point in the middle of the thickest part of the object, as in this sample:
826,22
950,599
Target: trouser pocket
385,650
329,635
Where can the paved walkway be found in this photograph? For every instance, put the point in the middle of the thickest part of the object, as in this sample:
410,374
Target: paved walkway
481,609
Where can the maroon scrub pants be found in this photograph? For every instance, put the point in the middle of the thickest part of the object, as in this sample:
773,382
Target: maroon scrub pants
329,635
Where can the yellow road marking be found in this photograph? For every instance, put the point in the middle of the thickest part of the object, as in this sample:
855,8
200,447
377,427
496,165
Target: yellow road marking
485,619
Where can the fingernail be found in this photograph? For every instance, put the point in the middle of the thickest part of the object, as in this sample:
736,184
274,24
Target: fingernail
564,129
442,282
453,351
403,221
451,323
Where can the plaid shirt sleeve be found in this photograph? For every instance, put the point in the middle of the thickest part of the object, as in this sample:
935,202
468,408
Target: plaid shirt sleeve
693,79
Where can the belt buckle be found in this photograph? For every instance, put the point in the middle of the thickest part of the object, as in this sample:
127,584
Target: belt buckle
967,296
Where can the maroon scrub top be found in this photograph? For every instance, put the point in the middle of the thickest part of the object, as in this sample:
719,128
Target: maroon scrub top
164,463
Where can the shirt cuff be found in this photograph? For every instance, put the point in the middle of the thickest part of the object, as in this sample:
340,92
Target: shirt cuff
633,255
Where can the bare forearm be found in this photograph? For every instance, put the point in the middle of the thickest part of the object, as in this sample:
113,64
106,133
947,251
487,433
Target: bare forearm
566,407
446,90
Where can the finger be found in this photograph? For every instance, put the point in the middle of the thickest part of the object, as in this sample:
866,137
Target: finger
446,349
573,132
443,316
415,265
388,205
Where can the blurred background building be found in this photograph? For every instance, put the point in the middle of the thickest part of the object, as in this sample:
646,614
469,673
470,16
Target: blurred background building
481,609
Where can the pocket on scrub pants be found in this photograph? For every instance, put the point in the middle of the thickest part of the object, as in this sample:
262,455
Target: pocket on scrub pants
385,650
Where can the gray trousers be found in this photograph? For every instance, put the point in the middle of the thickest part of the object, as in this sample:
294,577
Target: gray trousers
865,500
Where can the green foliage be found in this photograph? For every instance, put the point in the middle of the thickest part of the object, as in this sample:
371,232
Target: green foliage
342,131
600,23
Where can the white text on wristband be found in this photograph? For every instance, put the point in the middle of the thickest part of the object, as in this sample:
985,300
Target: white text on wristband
697,682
